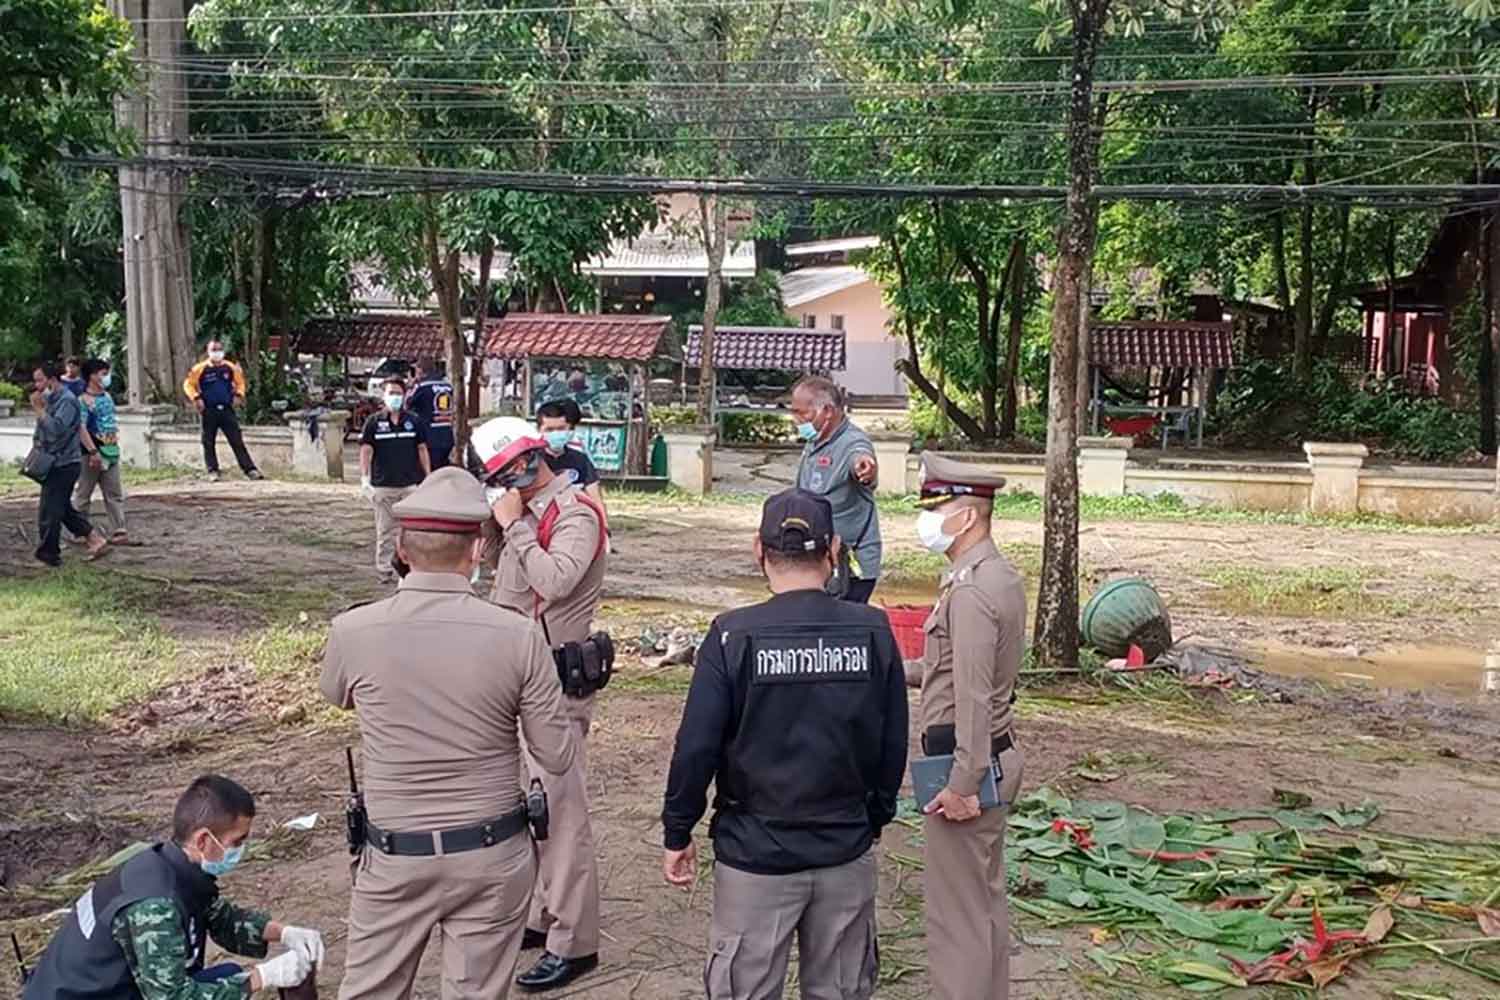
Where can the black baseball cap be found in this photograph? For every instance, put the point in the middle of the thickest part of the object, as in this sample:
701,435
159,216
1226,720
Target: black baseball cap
795,521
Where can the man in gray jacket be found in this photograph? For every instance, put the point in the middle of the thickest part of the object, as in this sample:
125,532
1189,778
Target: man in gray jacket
59,415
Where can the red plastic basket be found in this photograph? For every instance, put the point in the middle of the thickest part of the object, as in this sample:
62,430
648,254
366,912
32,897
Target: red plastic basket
907,621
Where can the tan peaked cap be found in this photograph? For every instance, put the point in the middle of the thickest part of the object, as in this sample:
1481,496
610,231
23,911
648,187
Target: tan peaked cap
946,478
450,500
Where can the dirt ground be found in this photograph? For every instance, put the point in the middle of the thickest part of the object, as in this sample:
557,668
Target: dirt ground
285,556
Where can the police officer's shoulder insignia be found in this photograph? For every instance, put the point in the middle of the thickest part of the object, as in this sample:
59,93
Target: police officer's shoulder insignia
573,476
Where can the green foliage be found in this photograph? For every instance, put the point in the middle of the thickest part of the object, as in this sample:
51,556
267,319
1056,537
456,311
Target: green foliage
1264,404
674,415
12,392
504,68
752,302
61,62
758,428
269,384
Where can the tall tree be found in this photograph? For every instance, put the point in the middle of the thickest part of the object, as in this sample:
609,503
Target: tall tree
61,63
1088,22
472,86
714,71
924,110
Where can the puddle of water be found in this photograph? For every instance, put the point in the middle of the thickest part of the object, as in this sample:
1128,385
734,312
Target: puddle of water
1452,669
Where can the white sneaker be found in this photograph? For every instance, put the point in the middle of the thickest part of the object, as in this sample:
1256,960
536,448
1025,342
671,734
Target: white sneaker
214,477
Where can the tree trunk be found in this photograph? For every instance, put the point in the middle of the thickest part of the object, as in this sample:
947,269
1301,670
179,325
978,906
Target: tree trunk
481,316
258,252
1489,335
1085,311
1086,292
1335,280
1388,343
1278,261
1303,329
442,265
65,321
714,212
1056,641
1017,298
159,329
989,350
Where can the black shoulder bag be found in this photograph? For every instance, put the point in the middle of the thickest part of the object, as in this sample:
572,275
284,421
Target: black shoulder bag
838,583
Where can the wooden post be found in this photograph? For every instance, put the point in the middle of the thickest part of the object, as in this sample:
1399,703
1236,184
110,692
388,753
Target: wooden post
526,388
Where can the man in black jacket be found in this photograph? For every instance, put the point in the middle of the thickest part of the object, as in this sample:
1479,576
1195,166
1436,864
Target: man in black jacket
797,712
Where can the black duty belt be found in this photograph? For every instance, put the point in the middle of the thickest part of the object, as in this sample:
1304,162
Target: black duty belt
469,838
939,740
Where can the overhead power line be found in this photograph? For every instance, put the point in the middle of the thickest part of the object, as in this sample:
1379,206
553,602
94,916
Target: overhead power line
301,181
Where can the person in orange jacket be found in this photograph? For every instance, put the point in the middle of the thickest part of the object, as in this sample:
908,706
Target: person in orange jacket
217,387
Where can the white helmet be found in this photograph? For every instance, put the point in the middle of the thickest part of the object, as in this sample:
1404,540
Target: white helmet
499,442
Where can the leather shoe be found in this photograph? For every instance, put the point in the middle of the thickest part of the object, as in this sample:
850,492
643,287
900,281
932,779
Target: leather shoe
553,972
532,940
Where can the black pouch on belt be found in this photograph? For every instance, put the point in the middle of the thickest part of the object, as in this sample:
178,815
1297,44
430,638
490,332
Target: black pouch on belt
939,740
536,810
585,667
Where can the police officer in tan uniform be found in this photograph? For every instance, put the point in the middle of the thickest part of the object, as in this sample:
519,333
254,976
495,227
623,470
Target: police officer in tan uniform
551,568
968,676
444,684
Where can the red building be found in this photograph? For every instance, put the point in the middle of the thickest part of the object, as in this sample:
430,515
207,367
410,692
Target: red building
1410,333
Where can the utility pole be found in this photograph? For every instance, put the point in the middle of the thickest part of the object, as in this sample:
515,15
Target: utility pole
159,324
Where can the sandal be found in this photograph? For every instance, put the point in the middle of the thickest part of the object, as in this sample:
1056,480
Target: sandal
93,554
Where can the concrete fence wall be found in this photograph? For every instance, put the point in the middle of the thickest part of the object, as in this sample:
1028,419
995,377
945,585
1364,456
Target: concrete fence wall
149,439
1333,480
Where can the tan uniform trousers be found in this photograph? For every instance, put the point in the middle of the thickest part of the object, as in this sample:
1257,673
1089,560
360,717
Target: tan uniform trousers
968,916
476,900
385,498
565,903
830,910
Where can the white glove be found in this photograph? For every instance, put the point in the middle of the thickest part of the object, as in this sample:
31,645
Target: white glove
309,943
365,489
284,971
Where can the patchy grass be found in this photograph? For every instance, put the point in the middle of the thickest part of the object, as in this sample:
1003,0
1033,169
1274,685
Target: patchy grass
911,567
661,681
1020,505
322,538
1311,592
77,643
13,484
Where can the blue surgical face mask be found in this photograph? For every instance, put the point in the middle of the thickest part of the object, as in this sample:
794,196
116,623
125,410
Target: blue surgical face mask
393,402
558,440
226,864
806,431
104,381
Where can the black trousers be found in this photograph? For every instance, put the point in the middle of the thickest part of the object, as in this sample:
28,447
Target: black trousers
222,418
860,590
56,511
439,447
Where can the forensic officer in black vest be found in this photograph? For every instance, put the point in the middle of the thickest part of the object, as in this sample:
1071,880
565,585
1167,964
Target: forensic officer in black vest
139,933
797,711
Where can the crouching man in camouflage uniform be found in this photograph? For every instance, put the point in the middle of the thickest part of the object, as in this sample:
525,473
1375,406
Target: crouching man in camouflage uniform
140,932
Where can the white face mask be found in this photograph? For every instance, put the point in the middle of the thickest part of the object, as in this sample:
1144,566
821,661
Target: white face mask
492,495
930,531
216,355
